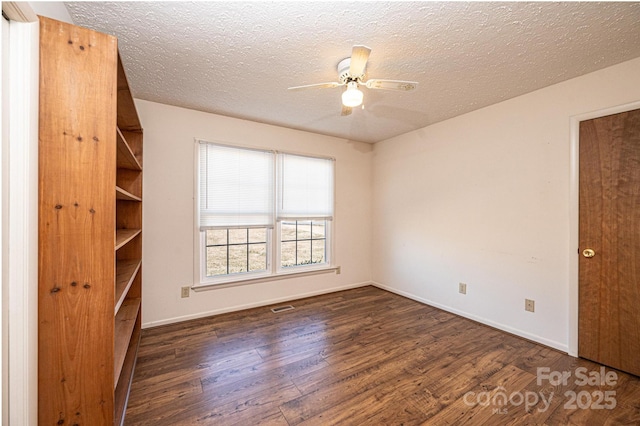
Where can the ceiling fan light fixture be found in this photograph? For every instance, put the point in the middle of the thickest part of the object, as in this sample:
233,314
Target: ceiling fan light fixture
351,74
352,97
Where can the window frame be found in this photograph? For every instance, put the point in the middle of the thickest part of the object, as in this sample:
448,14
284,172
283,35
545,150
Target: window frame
274,269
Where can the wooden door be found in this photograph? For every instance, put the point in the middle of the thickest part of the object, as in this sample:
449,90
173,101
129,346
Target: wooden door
609,281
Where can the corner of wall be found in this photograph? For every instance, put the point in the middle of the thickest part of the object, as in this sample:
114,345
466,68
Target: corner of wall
52,9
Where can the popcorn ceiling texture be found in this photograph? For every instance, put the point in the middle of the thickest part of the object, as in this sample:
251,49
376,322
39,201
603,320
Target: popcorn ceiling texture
238,58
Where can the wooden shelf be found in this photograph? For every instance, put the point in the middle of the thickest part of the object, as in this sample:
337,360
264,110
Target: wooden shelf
126,271
126,159
121,194
125,324
123,236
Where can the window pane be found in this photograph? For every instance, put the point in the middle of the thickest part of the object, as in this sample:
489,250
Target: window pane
318,247
318,229
246,251
257,257
309,246
216,236
304,252
216,260
288,231
238,236
258,235
237,259
304,230
288,255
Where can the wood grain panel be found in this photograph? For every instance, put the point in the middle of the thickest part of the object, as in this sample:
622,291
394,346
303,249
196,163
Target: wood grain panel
362,356
126,271
134,141
123,195
128,215
126,158
609,318
76,216
123,236
127,115
121,394
131,250
125,323
130,181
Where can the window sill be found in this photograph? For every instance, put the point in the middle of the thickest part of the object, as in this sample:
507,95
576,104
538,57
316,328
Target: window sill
264,278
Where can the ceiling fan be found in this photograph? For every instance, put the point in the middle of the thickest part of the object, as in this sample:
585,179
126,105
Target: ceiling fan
351,74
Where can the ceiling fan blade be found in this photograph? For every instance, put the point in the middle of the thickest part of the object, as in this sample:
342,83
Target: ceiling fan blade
346,110
317,86
359,58
391,84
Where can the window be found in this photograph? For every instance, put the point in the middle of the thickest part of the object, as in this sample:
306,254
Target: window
261,213
302,242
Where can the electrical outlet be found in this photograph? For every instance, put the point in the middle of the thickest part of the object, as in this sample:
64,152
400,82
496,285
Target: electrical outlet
338,270
185,291
462,288
529,305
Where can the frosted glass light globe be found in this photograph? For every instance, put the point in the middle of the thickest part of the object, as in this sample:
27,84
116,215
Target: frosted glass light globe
352,97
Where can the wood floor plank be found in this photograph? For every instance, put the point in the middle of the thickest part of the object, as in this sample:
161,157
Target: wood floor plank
145,385
165,395
473,411
155,358
197,366
361,356
228,390
290,370
351,383
261,408
178,338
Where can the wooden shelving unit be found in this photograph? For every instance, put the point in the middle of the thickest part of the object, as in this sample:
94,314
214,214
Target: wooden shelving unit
90,178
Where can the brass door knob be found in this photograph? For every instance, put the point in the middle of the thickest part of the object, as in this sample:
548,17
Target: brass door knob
588,252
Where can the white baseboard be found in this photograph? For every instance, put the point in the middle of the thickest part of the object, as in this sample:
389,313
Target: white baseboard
252,305
538,339
517,332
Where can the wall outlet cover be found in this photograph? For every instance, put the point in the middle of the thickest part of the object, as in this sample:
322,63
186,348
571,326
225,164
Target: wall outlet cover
529,305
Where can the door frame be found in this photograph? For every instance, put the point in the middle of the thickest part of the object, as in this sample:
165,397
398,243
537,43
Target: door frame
574,214
19,215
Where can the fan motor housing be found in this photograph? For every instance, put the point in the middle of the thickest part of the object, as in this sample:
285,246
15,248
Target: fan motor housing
343,72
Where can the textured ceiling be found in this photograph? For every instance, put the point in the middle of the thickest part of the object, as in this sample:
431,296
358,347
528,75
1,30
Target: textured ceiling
238,58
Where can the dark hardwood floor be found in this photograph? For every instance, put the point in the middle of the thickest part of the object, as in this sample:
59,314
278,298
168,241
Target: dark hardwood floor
364,357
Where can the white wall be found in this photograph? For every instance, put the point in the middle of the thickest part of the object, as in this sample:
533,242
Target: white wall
484,199
52,9
168,212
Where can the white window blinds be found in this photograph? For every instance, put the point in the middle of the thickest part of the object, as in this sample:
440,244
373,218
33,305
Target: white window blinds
305,189
236,187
